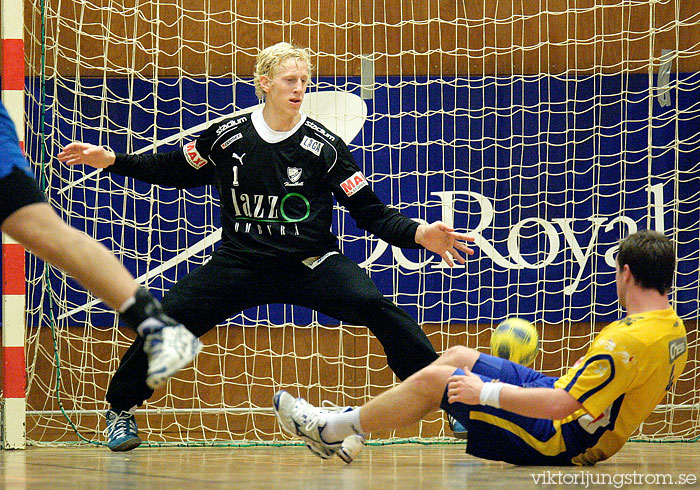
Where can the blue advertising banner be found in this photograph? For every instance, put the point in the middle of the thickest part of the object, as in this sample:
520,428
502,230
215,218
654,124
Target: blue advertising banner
547,173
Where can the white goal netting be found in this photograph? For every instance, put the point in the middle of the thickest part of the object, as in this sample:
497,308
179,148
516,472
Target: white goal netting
547,133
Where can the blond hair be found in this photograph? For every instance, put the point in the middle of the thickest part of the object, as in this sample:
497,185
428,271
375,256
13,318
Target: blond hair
270,58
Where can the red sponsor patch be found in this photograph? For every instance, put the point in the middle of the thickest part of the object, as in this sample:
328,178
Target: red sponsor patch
192,155
356,182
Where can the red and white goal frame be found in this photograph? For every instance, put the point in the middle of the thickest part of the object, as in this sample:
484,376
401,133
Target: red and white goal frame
13,283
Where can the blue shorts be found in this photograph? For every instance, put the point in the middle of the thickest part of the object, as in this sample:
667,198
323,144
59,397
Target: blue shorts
501,435
12,156
17,185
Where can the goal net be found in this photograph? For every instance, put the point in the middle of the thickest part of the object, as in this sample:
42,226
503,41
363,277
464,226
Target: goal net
547,130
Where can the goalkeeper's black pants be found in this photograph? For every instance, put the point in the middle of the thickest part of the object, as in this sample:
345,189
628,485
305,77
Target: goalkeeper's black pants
223,287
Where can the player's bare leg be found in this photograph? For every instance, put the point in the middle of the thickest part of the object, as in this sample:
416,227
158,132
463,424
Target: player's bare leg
408,402
169,345
39,229
458,356
400,406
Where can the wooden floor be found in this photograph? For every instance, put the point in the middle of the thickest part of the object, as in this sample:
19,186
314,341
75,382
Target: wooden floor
404,467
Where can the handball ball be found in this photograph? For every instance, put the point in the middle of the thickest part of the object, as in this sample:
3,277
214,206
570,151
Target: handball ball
515,339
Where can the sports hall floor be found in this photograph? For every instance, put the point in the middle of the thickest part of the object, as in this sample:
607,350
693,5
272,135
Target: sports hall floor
404,467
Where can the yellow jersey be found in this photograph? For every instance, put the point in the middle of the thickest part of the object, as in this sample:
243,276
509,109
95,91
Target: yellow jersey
627,371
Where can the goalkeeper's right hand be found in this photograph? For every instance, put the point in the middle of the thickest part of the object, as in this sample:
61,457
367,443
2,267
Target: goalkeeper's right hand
86,154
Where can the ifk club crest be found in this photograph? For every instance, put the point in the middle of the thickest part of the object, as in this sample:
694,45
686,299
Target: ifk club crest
293,174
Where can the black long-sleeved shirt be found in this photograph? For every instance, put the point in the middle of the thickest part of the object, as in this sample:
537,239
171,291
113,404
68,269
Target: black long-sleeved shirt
276,189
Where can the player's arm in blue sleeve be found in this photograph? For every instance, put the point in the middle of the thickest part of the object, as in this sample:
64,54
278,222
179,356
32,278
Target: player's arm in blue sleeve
352,191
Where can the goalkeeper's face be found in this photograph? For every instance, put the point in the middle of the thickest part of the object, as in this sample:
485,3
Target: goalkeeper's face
285,90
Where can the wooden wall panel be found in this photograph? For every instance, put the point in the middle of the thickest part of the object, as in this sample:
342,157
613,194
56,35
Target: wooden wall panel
239,355
471,37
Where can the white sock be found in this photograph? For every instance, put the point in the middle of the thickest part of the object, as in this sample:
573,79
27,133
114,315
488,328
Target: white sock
341,425
125,305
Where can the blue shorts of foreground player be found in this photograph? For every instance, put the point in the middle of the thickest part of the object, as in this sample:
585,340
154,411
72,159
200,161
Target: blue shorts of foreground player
500,435
17,185
12,156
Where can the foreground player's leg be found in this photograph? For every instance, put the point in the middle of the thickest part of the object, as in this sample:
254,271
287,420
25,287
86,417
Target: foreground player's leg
40,230
408,402
301,419
169,345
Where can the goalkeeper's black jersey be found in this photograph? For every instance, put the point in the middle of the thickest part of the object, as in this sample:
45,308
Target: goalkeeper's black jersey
276,189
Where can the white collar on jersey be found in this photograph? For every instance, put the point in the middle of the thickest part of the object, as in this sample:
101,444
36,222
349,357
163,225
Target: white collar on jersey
270,135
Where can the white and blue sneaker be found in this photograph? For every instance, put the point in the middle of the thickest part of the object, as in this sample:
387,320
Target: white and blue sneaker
169,347
301,419
122,431
458,430
352,445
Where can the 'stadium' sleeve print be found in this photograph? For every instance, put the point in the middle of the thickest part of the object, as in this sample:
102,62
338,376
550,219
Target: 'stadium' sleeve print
198,152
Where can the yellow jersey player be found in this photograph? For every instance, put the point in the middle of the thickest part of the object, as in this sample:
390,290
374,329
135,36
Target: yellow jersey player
518,415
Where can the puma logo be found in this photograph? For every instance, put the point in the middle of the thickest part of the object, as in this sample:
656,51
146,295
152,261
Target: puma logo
239,158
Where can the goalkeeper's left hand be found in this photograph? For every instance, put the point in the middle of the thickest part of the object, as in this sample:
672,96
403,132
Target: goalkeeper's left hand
444,241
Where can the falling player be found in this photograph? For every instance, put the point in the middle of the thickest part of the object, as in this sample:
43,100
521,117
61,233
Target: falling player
277,172
515,414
